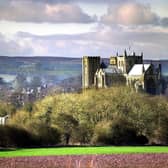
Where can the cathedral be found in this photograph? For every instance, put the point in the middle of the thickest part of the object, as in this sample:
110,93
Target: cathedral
127,69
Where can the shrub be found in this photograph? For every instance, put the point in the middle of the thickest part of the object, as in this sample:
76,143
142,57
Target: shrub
48,135
83,133
19,137
15,137
117,132
123,132
102,134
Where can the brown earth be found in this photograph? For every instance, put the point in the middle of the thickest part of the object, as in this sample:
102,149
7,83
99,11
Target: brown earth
89,161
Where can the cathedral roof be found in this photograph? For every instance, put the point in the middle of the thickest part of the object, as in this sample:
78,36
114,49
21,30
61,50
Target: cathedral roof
139,69
112,69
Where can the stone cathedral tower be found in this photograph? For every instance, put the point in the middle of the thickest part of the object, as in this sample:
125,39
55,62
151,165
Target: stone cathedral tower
125,62
90,65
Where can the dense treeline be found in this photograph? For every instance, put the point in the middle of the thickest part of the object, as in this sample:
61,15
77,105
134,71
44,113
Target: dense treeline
113,116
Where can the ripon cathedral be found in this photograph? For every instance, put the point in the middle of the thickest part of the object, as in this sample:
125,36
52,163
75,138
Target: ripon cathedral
127,69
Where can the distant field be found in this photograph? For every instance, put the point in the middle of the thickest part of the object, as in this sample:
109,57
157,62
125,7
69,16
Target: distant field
81,151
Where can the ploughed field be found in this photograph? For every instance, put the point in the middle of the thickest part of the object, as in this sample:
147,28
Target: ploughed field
85,157
88,161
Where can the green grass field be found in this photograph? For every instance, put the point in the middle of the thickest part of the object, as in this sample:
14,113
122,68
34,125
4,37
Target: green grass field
81,151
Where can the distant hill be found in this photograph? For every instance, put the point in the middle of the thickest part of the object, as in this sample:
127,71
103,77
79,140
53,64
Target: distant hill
52,70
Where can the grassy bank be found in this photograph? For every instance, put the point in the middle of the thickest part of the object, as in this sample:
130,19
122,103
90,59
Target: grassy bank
81,151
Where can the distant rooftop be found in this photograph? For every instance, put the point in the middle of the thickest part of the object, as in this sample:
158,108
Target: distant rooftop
112,69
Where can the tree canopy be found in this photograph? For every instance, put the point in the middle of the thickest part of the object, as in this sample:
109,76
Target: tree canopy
116,115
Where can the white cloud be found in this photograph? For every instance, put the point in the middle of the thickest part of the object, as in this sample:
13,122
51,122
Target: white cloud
131,24
11,47
131,13
104,42
33,11
84,1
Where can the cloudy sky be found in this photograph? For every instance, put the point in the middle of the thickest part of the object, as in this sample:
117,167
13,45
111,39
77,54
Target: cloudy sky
73,28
